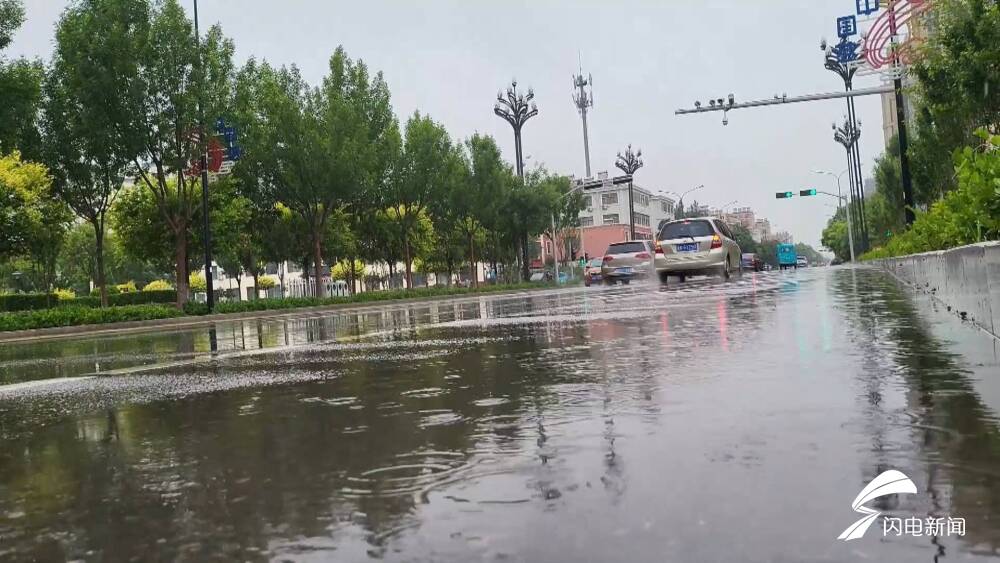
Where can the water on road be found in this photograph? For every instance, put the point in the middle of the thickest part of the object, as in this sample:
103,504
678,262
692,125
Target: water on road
706,421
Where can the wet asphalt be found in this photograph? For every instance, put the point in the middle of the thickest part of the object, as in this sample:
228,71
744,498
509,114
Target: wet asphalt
704,421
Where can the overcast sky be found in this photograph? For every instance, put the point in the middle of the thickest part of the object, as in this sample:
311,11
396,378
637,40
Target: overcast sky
448,58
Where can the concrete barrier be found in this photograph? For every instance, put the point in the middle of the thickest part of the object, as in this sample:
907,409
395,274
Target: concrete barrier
966,279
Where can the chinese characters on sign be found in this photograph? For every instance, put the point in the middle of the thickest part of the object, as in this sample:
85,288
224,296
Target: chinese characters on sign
867,7
846,51
930,526
847,26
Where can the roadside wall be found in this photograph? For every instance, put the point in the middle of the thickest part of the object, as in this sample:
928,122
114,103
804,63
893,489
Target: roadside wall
966,279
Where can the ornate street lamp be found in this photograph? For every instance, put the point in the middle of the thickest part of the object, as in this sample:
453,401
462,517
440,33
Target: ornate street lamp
847,135
516,109
629,163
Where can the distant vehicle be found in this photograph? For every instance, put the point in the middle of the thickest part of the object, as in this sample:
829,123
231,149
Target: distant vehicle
836,262
592,271
787,257
801,262
625,261
703,245
751,261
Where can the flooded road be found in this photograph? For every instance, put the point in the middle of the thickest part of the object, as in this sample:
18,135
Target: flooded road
707,421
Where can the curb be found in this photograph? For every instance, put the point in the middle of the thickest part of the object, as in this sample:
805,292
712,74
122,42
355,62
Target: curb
61,332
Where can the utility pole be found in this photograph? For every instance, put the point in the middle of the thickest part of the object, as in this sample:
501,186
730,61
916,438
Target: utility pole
904,158
629,163
209,286
584,100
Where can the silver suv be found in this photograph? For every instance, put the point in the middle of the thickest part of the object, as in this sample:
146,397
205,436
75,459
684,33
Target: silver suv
627,260
702,245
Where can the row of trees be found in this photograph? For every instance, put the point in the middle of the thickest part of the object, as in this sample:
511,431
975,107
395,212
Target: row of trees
954,95
108,130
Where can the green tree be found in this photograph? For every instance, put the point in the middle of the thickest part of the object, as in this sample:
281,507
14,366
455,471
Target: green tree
167,84
20,89
90,108
429,167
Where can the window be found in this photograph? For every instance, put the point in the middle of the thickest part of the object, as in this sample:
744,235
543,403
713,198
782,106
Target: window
586,221
588,202
611,219
610,198
641,219
627,247
667,207
642,200
685,229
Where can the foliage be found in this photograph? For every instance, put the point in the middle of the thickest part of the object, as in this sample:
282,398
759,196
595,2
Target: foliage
127,287
75,315
20,89
196,282
266,282
342,270
27,301
24,189
158,285
968,214
64,294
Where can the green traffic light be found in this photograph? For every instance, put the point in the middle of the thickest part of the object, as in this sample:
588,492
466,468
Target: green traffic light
807,192
784,195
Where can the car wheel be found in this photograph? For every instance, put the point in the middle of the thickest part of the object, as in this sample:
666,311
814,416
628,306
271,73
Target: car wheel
626,282
663,277
724,271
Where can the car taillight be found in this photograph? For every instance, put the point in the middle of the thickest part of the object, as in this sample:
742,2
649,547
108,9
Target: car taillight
716,241
609,258
642,256
659,249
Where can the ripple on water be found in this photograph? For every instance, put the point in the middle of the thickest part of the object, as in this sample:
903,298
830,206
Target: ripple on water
333,401
441,419
425,393
491,402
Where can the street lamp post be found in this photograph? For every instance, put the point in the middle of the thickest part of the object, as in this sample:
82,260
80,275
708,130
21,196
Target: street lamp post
516,109
629,163
680,198
847,135
209,286
840,200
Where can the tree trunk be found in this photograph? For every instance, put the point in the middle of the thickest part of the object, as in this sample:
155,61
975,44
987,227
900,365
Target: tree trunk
180,265
256,286
99,248
525,272
239,286
318,264
408,261
472,261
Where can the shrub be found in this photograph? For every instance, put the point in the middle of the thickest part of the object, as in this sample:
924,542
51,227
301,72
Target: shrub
71,316
968,214
65,294
157,285
27,301
196,282
112,290
127,287
265,282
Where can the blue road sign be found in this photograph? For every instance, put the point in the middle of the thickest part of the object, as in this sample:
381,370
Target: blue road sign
847,26
867,7
846,51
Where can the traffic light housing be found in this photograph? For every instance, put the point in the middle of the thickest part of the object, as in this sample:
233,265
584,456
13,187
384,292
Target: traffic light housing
805,193
784,195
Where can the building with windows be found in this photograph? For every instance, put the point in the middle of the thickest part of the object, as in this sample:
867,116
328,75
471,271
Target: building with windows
604,218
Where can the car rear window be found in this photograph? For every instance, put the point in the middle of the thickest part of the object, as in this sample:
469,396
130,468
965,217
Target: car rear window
626,247
685,229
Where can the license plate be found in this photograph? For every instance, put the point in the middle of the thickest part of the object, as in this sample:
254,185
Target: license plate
688,247
623,270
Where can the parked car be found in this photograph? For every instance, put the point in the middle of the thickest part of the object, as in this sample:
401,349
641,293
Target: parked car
751,261
787,257
801,262
627,260
703,245
592,271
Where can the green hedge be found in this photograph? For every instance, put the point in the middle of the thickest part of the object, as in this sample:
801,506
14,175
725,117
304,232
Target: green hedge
366,297
27,301
71,316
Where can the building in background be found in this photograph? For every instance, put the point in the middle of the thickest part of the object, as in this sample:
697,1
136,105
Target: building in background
604,218
761,230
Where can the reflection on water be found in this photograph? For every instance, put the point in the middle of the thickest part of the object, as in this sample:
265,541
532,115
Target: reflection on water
609,424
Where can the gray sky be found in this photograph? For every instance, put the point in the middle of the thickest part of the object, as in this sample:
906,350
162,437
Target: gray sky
448,58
